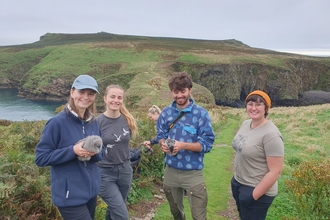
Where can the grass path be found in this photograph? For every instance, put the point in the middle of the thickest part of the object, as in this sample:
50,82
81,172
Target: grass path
217,172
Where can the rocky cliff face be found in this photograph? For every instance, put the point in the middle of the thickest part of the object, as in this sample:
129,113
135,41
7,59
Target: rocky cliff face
231,83
292,85
45,70
58,90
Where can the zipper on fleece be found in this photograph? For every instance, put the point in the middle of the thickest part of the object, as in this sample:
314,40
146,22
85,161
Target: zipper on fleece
83,126
83,130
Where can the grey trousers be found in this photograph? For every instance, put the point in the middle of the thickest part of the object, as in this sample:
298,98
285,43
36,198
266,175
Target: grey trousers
175,182
115,186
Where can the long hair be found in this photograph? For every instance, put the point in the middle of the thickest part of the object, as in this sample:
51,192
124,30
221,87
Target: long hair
89,113
132,124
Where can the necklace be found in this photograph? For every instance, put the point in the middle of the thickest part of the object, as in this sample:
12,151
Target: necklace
257,125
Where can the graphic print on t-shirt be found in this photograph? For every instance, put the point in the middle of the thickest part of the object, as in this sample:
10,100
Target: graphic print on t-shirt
109,146
239,142
126,132
116,139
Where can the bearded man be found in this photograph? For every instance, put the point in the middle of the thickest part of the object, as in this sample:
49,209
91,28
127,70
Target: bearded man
190,129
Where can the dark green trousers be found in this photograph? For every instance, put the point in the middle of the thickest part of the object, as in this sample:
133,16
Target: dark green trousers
174,184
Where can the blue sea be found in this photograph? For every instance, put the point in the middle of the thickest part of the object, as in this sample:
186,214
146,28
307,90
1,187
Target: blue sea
15,108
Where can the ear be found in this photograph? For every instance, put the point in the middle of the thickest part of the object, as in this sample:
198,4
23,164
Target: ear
190,92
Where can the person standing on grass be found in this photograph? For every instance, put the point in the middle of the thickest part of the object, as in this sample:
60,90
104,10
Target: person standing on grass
117,126
258,161
75,182
193,137
153,114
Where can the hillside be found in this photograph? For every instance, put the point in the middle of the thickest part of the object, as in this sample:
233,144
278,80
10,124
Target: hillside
224,71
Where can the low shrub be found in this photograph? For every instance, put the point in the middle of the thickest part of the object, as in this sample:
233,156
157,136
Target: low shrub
309,188
24,191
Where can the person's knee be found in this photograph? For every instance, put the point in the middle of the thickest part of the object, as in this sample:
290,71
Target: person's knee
175,210
198,195
198,201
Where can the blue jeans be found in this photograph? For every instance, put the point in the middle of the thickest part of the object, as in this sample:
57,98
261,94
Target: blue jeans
247,207
115,186
82,212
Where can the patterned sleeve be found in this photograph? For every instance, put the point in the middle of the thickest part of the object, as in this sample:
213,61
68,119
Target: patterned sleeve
205,134
162,128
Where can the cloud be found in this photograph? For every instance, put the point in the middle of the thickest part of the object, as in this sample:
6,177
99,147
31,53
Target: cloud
273,24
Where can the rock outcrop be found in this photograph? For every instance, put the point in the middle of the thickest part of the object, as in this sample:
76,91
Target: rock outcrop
231,83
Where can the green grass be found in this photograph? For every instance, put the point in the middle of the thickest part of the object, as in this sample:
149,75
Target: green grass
87,60
57,59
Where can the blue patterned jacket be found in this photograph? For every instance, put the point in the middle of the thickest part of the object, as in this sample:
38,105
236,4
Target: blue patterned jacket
194,126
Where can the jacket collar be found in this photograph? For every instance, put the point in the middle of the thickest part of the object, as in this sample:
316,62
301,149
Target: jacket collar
76,115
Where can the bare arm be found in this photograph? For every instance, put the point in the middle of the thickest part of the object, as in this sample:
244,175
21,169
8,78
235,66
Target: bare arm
178,145
275,166
196,146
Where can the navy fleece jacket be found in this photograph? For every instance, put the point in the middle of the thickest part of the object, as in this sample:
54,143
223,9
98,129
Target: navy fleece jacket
73,182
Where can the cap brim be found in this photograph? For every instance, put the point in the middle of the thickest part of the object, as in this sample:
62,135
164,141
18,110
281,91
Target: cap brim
87,87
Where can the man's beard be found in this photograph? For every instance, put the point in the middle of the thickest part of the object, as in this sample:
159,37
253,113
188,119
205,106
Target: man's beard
182,102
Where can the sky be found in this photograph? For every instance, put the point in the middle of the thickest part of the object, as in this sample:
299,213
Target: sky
297,26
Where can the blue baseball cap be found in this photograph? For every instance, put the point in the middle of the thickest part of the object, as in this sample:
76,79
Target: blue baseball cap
85,82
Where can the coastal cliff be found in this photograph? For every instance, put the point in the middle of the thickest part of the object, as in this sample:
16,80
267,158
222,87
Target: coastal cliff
223,71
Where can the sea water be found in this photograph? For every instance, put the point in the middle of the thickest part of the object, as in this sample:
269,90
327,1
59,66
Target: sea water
15,108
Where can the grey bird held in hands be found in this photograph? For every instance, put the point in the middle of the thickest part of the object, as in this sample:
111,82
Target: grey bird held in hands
170,145
92,143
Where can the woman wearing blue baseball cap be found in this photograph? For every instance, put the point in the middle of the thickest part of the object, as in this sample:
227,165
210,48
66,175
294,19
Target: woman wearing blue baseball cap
71,145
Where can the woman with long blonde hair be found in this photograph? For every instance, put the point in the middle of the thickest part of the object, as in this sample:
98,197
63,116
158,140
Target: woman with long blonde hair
118,126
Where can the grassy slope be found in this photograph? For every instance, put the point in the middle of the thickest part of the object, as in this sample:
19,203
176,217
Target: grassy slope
144,61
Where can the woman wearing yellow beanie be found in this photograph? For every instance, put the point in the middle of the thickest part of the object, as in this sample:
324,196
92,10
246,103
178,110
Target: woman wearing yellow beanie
258,160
